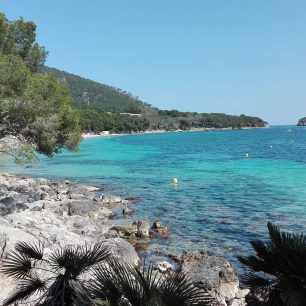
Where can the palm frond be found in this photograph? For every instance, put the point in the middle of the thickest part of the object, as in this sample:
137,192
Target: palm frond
17,265
253,280
25,289
32,250
283,259
115,280
78,260
148,280
126,282
179,290
293,297
105,286
80,294
256,264
58,292
66,291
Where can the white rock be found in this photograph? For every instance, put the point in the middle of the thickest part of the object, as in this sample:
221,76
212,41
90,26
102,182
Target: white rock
237,302
163,266
242,293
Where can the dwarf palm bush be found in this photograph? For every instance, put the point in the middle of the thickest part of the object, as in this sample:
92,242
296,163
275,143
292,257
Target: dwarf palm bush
277,273
121,284
61,284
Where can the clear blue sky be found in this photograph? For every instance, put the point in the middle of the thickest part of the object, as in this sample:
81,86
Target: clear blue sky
240,56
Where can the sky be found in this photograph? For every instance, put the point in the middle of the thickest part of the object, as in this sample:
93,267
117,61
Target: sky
234,57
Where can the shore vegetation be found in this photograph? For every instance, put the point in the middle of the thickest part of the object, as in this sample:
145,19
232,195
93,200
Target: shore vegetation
36,111
57,280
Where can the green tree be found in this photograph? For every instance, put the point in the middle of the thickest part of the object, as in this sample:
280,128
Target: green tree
19,38
36,112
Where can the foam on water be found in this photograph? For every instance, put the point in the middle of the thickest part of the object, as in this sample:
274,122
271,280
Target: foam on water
223,199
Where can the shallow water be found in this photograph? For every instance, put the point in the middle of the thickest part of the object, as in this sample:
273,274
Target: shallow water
223,199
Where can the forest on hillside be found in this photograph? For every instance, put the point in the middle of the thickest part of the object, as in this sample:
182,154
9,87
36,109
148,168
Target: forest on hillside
104,107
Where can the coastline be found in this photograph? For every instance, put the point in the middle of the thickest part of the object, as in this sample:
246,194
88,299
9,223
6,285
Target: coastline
63,213
108,134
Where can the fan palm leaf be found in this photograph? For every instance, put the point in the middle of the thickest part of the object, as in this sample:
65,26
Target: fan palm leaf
179,290
277,273
106,285
17,265
75,261
25,289
115,280
32,250
65,286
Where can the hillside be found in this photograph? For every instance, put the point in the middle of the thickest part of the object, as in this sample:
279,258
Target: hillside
87,93
104,107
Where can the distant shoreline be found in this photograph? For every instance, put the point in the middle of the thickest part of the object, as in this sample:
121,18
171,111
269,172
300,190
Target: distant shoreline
108,134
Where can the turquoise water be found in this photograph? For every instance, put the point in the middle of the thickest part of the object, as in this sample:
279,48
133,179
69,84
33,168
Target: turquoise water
223,199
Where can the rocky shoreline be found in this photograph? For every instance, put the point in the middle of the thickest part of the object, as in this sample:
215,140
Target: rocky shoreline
61,213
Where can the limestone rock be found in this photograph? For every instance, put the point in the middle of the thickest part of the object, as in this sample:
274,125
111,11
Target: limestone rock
158,230
142,228
127,212
139,228
163,267
110,199
213,274
120,248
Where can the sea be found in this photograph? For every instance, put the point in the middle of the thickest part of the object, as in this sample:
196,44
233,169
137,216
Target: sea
230,184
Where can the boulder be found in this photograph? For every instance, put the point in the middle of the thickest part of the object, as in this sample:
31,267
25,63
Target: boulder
92,228
142,228
9,204
215,275
127,212
9,236
122,249
48,189
158,230
139,228
27,192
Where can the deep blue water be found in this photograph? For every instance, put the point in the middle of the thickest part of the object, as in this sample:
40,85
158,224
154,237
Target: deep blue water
223,199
